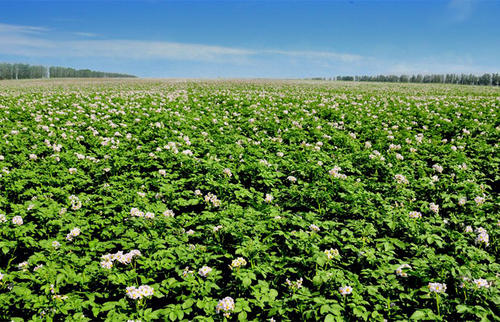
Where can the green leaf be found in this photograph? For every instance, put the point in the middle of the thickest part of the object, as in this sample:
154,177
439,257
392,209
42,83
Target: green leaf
242,316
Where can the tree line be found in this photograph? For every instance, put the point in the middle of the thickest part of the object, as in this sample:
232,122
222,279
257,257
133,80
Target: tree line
463,79
26,71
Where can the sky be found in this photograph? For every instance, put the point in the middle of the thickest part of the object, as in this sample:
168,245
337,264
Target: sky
254,39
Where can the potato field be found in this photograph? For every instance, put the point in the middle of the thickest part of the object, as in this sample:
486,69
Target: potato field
258,200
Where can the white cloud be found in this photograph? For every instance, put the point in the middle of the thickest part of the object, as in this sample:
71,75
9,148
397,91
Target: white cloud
85,34
18,29
17,40
461,9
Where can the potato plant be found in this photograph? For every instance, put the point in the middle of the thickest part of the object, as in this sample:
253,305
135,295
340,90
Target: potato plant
248,200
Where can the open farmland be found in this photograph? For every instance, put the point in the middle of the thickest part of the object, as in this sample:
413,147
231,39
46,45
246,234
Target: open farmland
251,200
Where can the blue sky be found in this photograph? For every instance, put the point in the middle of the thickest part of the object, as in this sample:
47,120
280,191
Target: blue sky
275,39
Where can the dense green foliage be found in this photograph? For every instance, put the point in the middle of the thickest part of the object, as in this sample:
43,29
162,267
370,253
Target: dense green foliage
297,200
26,71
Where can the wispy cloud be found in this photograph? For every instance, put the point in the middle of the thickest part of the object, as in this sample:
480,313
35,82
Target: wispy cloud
18,40
461,10
18,29
86,34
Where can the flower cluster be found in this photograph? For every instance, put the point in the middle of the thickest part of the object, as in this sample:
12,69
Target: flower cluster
75,202
434,208
437,168
169,213
482,237
237,263
479,200
332,253
268,198
17,220
335,172
376,155
400,272
437,287
210,198
226,305
228,172
345,290
401,179
481,283
73,233
314,228
135,212
204,271
296,284
137,293
415,214
108,259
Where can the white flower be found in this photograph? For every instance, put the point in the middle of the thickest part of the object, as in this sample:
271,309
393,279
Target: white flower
481,283
331,253
400,272
479,200
226,305
217,228
17,220
462,201
437,287
56,244
169,213
292,179
23,265
73,233
295,285
268,198
135,212
227,172
1,276
204,271
434,208
468,229
438,168
3,218
345,290
314,228
162,172
186,271
415,214
483,238
335,172
139,292
238,262
280,154
106,264
401,179
72,170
